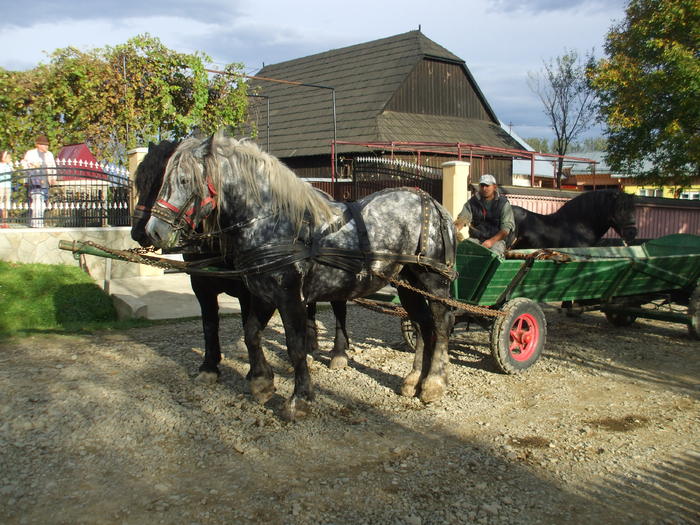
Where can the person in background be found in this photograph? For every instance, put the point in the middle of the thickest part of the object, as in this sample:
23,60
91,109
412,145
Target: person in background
489,216
5,185
40,179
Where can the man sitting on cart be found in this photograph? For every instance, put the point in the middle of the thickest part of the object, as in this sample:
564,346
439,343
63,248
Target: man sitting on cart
489,216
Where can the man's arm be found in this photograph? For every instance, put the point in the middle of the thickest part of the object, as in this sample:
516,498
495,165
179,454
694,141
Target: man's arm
507,226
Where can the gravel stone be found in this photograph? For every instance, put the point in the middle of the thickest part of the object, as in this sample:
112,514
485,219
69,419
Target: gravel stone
113,428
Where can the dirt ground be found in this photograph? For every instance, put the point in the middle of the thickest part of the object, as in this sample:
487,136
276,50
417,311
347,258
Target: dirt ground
112,428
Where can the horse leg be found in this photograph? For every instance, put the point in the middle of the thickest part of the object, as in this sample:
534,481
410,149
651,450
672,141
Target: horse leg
260,376
435,362
415,305
209,306
311,330
293,317
341,344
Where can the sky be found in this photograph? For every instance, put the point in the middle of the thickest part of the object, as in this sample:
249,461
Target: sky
501,41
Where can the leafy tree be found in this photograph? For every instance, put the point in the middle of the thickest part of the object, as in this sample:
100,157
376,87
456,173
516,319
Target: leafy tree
539,144
589,144
117,98
649,88
567,97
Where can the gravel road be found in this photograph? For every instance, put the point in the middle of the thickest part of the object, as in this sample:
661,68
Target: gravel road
112,429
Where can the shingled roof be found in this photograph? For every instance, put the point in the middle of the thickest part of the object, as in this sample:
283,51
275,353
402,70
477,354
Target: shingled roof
365,78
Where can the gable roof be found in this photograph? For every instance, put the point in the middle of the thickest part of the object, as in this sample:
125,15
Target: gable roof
364,77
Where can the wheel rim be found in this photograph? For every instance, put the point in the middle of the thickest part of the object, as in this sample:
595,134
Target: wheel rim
524,336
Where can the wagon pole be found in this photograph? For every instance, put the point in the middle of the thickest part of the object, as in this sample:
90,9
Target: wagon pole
334,165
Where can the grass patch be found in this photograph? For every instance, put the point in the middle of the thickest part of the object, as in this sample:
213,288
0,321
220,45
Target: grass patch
36,298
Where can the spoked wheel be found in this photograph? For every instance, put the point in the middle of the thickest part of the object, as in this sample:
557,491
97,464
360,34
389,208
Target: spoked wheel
409,333
694,313
518,337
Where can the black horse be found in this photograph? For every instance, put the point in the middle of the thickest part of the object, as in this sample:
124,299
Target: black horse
293,247
582,221
149,178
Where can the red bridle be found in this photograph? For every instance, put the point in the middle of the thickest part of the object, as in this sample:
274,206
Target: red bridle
174,216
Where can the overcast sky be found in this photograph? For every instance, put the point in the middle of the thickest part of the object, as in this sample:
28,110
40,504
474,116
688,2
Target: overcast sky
500,40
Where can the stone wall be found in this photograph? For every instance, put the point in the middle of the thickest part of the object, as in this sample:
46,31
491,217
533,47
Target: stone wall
40,245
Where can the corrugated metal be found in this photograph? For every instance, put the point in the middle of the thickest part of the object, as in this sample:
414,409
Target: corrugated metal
653,220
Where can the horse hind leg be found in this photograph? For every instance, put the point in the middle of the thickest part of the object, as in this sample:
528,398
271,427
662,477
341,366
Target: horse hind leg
341,342
435,380
261,377
417,310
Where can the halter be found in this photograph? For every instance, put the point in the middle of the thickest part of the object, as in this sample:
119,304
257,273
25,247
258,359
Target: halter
179,217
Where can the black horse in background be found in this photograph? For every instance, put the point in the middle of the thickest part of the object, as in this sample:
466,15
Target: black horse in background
149,178
582,221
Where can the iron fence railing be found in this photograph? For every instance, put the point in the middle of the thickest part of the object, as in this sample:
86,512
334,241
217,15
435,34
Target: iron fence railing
73,194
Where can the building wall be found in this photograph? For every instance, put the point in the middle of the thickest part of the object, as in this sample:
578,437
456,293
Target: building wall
438,88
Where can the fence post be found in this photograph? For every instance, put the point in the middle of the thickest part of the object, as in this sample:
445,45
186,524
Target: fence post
134,156
455,186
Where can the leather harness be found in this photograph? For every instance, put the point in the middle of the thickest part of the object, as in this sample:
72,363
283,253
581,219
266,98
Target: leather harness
280,255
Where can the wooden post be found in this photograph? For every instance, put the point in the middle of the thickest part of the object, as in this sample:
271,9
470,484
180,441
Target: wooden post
455,188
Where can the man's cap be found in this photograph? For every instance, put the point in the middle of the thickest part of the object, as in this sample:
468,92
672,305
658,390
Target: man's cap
41,139
487,179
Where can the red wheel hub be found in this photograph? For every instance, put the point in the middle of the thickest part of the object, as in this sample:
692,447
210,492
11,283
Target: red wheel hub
524,335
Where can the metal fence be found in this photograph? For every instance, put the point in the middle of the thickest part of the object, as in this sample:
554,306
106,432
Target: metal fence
73,194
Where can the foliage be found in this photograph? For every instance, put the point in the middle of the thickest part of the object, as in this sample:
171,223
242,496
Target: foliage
539,144
117,98
649,88
589,144
567,98
57,298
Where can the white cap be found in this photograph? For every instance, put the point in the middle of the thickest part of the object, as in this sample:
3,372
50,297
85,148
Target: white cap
487,179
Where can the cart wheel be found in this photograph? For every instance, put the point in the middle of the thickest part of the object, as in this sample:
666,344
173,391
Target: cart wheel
409,333
620,319
517,338
694,314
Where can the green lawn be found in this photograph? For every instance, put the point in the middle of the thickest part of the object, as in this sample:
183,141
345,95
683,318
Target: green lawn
37,298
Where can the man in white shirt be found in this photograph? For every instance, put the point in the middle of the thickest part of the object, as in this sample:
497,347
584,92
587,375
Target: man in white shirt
40,179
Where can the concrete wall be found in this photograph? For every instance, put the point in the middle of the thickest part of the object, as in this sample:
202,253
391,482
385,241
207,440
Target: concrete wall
40,245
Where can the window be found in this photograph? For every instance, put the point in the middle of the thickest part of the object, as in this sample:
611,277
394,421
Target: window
691,195
650,193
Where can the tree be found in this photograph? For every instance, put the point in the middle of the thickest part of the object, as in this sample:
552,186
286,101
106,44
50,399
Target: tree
649,88
118,97
539,144
567,97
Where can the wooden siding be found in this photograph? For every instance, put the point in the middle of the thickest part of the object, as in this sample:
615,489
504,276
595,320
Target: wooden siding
438,88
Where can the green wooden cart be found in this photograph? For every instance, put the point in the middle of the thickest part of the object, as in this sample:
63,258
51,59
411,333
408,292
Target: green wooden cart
624,282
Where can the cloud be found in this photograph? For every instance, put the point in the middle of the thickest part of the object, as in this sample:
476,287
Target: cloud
541,6
23,14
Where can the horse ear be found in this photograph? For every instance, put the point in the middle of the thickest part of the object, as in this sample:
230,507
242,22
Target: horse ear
203,149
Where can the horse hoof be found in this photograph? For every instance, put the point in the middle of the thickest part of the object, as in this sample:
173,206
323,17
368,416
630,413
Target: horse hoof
207,377
410,384
338,362
262,388
432,389
294,409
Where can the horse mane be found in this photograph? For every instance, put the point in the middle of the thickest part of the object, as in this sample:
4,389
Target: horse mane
150,171
290,196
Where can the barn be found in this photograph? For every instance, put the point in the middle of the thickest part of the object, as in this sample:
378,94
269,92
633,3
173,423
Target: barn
390,97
